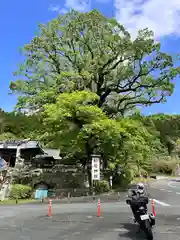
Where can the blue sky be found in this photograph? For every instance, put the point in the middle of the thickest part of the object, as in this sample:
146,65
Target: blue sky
19,20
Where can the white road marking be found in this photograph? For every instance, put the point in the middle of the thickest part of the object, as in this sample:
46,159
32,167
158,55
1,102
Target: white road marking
165,190
170,185
177,192
120,230
161,203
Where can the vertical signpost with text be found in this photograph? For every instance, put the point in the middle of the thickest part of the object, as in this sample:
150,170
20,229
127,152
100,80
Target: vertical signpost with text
95,168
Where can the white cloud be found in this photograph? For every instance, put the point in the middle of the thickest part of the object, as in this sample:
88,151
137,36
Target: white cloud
79,5
161,16
54,8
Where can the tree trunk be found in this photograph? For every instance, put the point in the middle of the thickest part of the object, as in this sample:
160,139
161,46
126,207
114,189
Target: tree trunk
89,171
90,180
89,148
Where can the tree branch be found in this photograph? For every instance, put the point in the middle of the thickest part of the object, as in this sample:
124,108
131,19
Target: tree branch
103,97
141,102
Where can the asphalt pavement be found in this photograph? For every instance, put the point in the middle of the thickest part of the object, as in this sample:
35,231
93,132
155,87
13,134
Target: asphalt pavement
79,221
167,192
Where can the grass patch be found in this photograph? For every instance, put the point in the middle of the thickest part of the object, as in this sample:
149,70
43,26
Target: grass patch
20,201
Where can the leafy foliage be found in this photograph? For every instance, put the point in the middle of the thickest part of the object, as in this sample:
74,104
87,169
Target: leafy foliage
20,191
18,125
102,186
82,127
164,165
80,51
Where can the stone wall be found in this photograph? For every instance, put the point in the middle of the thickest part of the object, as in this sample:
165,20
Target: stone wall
63,177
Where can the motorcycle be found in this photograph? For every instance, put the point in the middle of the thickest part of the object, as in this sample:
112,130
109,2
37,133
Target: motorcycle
145,220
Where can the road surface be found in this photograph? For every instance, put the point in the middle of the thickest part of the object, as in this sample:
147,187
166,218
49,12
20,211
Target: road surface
78,221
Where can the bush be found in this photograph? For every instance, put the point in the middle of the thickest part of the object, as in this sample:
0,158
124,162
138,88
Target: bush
20,191
128,174
102,186
164,166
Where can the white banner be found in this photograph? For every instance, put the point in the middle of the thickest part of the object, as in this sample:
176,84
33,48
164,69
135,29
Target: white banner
95,168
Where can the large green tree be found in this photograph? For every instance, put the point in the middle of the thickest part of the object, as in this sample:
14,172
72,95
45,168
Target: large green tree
79,126
169,128
80,51
84,69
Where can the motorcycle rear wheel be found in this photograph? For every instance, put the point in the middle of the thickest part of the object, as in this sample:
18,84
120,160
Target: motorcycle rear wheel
148,230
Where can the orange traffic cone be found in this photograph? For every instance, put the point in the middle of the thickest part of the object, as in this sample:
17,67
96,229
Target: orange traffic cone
153,208
99,208
50,208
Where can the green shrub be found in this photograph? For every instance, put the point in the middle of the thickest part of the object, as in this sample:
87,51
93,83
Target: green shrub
20,191
164,166
126,176
102,186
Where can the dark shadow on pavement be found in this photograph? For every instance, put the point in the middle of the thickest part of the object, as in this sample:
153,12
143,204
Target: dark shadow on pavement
132,233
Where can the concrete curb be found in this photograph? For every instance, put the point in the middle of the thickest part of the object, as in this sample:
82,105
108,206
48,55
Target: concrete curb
65,200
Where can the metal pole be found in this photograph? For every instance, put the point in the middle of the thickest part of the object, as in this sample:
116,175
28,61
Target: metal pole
110,181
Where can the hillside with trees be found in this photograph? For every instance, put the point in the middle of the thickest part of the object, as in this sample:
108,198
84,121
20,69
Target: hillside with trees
83,79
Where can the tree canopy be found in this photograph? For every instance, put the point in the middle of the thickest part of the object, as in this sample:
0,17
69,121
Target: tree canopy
87,51
80,127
